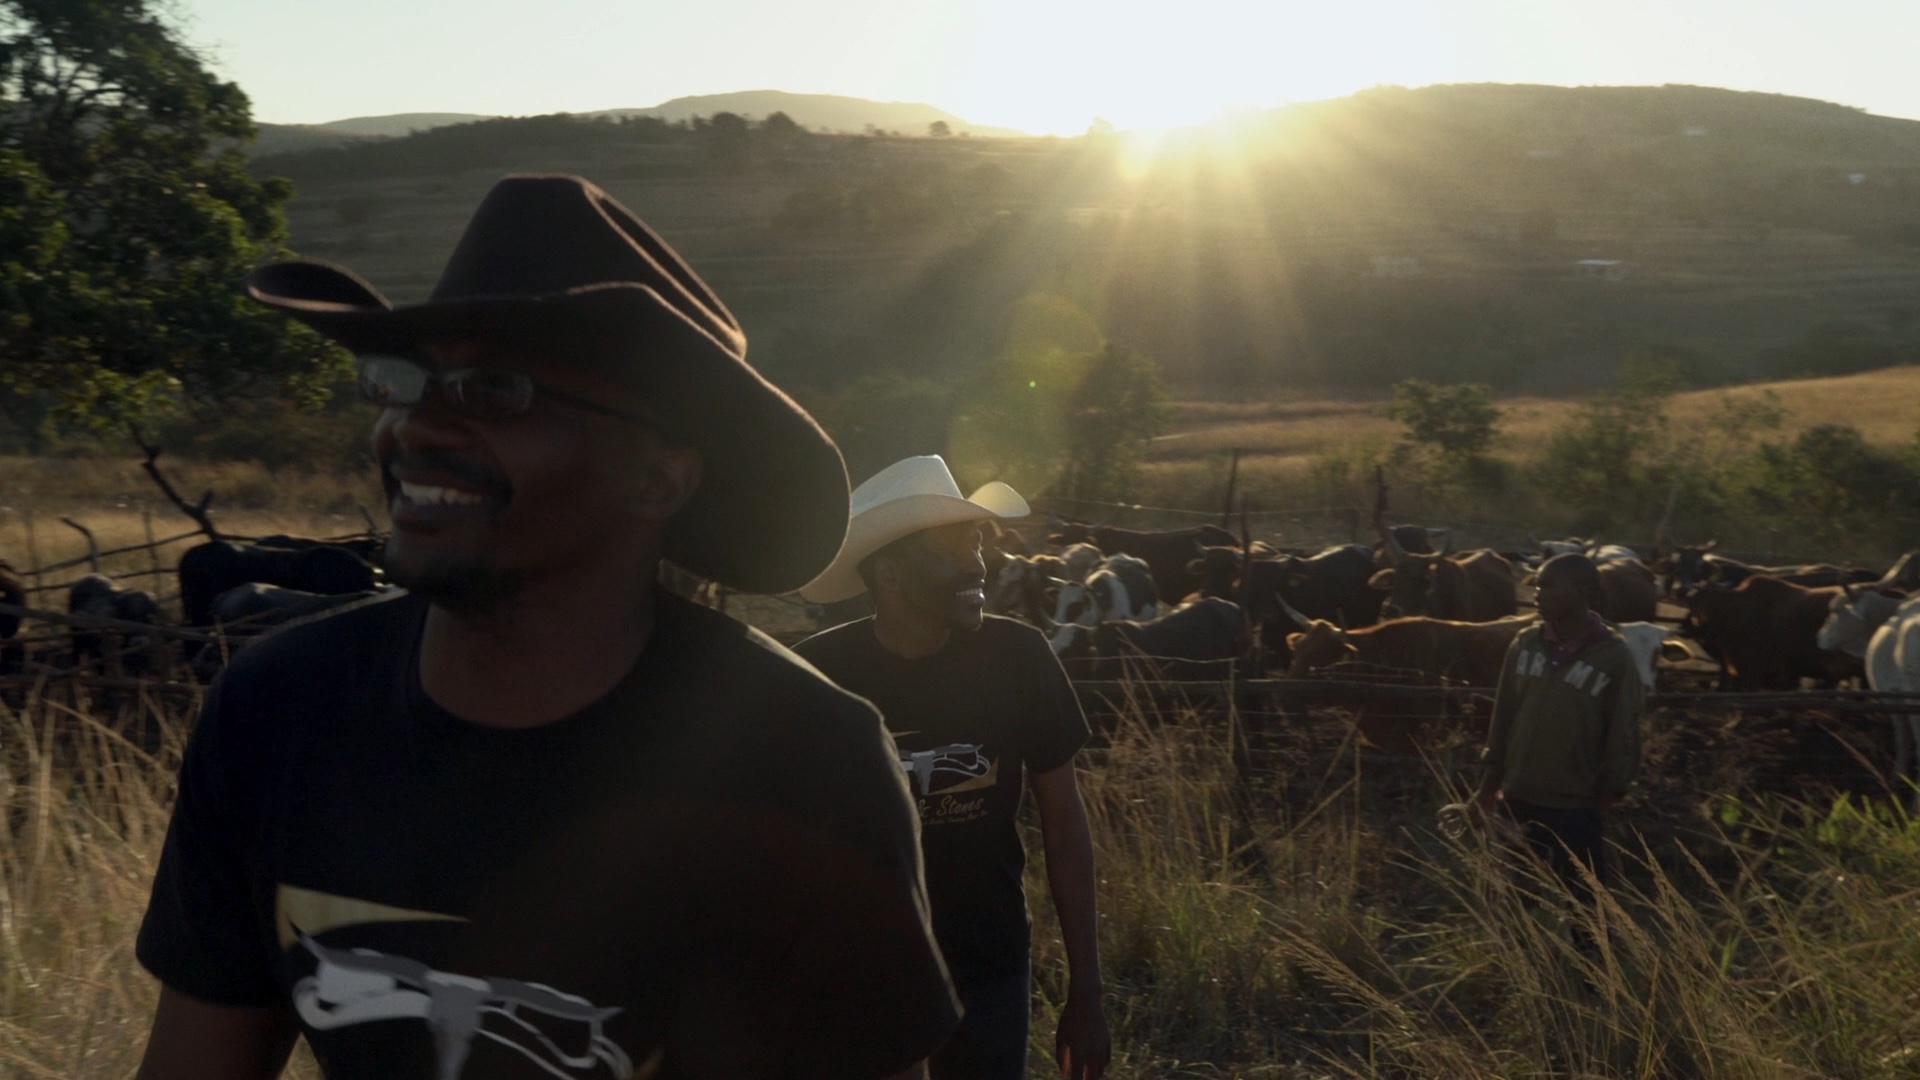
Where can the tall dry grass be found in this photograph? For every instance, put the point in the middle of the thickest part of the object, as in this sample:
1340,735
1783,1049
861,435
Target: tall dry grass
1300,919
1341,936
86,786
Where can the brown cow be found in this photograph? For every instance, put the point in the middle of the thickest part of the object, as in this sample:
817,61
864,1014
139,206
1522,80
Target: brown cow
1765,633
1474,587
1468,652
1627,592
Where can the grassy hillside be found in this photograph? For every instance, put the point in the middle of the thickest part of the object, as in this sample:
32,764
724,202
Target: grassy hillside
1340,245
1883,405
819,112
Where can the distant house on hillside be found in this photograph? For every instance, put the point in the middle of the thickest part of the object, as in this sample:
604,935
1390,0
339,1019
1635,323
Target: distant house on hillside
1397,266
1856,179
1693,131
1602,269
1542,155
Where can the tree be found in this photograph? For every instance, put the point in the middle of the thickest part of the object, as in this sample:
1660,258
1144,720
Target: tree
779,125
128,221
1615,451
1832,488
1458,421
728,141
1113,415
939,129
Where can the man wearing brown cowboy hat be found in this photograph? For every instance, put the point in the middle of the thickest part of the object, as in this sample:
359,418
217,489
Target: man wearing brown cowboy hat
982,712
536,817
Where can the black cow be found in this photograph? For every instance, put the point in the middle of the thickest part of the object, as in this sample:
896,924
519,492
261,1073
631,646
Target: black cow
254,607
369,548
247,612
96,596
13,591
1198,641
1688,568
1413,540
1166,553
1332,585
213,568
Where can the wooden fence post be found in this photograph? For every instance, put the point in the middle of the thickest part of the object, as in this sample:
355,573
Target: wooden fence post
1233,480
153,546
33,548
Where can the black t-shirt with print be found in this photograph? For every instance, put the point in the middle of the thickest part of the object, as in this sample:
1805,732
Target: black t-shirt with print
966,720
710,872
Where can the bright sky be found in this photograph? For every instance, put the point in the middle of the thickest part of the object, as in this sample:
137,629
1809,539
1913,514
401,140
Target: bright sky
1040,65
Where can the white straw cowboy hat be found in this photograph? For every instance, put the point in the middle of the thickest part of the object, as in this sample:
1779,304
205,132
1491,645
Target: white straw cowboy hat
899,500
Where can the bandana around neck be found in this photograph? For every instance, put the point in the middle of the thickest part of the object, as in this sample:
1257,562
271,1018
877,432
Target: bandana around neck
1559,653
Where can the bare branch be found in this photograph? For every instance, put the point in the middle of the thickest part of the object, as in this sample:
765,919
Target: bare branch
93,546
195,511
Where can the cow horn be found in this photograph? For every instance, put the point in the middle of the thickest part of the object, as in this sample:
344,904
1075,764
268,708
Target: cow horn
1298,619
1395,552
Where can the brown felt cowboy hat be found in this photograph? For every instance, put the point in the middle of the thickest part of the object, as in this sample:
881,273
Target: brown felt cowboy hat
555,262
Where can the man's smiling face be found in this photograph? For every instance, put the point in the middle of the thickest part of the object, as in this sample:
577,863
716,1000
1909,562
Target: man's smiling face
482,509
940,575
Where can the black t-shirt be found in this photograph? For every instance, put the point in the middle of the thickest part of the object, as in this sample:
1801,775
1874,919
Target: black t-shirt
967,719
712,871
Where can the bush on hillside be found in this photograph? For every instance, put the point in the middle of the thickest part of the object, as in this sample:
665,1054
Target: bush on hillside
1456,421
1829,485
1113,415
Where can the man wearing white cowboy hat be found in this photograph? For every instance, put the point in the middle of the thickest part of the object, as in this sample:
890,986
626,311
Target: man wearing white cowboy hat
973,701
536,817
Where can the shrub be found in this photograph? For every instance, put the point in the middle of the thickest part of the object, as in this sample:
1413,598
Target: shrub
1458,420
1114,413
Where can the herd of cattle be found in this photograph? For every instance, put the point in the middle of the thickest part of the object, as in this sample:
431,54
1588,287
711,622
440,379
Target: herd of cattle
232,591
1191,600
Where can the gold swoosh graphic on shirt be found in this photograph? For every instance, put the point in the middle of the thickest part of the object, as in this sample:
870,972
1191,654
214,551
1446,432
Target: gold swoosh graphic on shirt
991,778
318,912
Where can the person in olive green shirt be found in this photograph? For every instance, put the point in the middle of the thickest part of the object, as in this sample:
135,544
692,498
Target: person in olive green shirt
1564,743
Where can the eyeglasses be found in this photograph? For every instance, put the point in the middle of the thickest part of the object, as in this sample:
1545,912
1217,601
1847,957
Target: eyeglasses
477,393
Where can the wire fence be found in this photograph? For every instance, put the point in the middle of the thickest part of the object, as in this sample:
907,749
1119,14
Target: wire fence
1326,526
1409,692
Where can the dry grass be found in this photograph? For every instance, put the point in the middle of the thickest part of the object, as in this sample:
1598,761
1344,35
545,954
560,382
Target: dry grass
122,508
1296,920
64,484
1884,405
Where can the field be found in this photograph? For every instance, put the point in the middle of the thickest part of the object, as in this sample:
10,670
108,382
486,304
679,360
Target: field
1275,900
1288,443
1284,910
1300,453
1884,405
